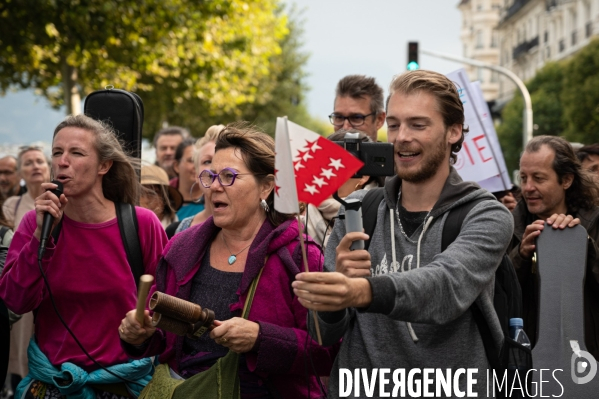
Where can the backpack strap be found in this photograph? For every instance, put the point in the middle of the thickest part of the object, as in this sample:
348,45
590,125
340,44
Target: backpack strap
370,206
451,230
4,315
17,206
3,231
454,221
127,220
4,340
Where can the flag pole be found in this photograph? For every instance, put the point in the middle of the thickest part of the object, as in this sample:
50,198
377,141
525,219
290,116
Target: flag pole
305,258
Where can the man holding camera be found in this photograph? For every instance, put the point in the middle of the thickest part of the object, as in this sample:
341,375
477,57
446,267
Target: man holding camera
358,105
404,304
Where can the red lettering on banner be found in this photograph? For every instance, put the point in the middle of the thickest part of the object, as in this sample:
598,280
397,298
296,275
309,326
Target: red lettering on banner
465,147
480,149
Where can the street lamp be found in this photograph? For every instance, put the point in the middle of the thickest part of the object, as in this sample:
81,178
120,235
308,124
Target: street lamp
527,116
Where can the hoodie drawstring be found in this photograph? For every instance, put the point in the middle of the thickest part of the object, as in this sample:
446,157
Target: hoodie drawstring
426,224
394,265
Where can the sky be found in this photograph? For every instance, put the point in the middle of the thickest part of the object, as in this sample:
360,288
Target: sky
343,37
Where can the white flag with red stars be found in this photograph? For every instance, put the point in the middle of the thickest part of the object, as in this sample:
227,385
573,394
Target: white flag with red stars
308,167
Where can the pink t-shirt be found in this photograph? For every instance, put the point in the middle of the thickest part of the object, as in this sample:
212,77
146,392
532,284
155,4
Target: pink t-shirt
91,282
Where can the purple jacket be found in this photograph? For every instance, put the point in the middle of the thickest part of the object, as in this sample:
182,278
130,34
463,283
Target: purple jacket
284,349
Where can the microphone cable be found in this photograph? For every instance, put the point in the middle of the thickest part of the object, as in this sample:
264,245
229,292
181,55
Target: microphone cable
72,334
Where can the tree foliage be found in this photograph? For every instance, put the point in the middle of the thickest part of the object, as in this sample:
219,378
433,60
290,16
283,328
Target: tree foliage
565,102
282,93
580,97
510,131
545,89
217,55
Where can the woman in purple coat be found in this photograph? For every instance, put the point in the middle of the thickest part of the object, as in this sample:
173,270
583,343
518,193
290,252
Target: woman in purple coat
214,263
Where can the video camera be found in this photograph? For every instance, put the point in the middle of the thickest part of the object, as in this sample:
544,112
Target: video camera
378,161
377,157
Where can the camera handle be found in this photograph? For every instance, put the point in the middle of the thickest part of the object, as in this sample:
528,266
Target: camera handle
353,218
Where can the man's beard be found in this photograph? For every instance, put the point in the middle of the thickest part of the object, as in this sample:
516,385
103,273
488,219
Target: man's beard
428,168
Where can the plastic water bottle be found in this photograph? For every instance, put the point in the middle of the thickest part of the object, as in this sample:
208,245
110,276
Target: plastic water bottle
518,364
517,332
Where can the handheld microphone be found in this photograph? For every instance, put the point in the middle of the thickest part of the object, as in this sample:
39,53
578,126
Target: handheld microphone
48,220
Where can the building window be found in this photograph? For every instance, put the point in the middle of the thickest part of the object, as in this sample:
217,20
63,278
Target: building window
494,77
479,39
562,45
530,31
574,38
548,53
494,39
589,24
546,37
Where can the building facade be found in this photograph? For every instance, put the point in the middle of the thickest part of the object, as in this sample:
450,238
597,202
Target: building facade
480,41
528,34
534,32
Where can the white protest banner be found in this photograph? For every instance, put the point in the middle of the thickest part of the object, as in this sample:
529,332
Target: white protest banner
502,181
476,161
286,200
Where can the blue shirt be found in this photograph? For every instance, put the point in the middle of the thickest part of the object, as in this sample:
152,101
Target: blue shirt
189,209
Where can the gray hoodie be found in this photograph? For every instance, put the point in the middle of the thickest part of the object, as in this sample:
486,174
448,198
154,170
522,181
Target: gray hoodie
419,316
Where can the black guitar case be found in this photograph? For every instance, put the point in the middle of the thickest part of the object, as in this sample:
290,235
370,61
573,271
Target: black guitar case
121,109
562,256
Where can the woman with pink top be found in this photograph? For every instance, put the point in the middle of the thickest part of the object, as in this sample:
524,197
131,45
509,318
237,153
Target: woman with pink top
90,282
245,247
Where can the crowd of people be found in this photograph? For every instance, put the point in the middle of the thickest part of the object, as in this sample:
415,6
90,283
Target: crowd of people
209,233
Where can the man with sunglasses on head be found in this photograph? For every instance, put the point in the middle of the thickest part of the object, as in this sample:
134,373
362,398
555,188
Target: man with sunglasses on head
359,105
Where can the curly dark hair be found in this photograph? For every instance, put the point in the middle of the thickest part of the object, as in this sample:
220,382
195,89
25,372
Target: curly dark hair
444,90
583,193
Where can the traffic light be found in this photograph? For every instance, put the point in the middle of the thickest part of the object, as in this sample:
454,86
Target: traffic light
413,56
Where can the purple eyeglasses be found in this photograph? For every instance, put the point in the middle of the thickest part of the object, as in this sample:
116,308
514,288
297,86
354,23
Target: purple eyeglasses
226,177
